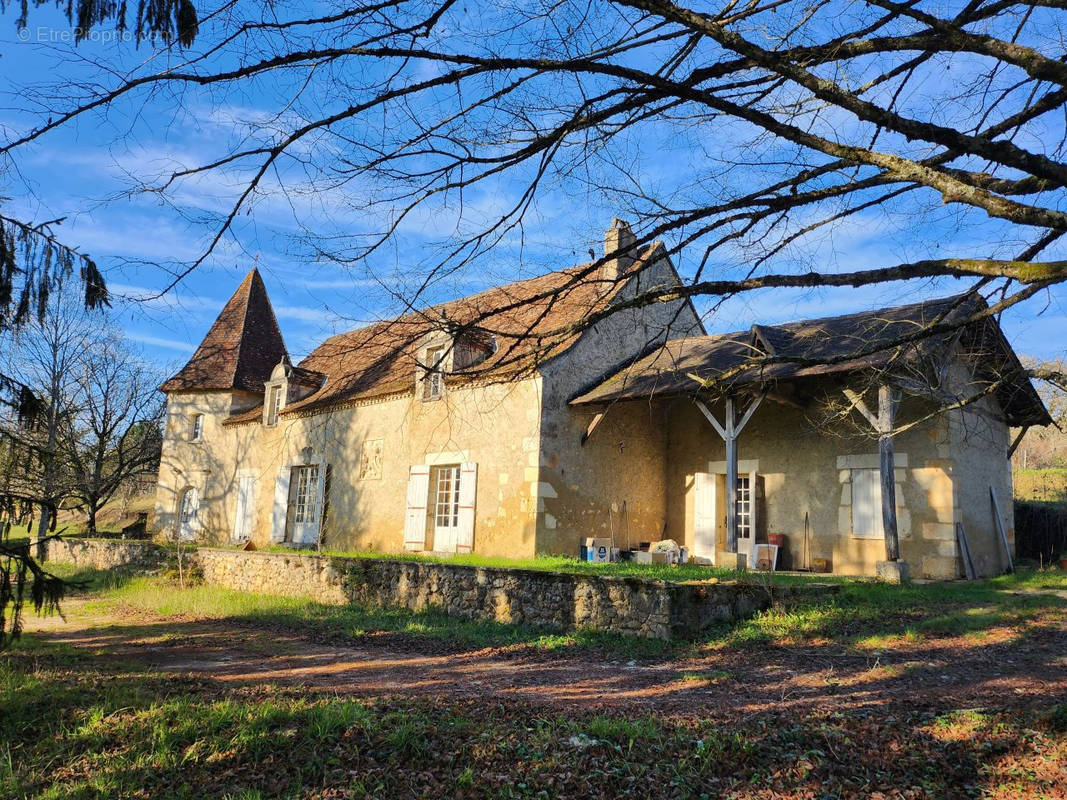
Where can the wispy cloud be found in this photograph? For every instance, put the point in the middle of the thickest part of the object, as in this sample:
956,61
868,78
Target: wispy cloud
159,341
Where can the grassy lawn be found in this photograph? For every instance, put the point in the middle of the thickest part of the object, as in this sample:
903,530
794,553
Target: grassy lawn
70,733
77,727
1049,485
862,615
79,724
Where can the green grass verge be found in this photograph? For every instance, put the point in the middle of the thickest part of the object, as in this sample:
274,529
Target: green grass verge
75,726
860,615
874,615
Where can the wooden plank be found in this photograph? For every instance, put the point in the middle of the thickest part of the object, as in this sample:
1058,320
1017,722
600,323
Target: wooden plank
965,552
1018,440
749,412
886,412
731,478
999,520
719,429
857,402
592,426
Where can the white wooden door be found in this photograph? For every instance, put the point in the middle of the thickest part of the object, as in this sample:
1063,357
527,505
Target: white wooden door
281,505
446,508
242,524
704,515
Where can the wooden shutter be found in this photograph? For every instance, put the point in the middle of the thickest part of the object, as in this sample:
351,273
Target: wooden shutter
415,518
242,523
281,505
704,514
314,529
468,493
867,503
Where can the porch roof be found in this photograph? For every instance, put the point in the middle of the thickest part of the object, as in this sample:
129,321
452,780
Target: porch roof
766,354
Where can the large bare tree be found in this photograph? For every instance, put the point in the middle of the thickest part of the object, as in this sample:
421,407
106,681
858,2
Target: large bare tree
797,117
116,435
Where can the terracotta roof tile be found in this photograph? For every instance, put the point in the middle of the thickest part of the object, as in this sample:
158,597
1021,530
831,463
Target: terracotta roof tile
522,318
242,347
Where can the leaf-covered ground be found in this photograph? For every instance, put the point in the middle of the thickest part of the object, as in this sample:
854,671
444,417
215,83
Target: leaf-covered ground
152,691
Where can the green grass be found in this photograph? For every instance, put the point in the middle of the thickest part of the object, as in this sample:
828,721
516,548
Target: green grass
874,615
1048,485
347,621
78,727
863,616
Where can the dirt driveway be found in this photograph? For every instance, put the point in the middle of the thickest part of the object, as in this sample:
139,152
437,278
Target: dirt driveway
1002,669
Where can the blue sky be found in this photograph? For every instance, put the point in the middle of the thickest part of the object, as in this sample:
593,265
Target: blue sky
80,172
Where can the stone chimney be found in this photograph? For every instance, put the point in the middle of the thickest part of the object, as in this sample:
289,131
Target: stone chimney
617,238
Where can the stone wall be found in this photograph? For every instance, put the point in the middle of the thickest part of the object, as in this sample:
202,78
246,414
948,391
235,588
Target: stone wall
320,578
553,600
107,554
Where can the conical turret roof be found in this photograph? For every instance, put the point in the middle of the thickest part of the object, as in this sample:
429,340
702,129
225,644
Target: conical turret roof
241,348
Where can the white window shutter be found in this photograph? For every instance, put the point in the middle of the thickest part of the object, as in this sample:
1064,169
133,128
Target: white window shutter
314,528
468,492
866,503
704,514
242,521
281,505
415,516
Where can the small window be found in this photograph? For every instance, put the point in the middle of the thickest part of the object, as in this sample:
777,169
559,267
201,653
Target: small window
867,504
274,404
433,377
198,427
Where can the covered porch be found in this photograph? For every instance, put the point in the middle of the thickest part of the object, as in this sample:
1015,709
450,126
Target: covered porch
853,463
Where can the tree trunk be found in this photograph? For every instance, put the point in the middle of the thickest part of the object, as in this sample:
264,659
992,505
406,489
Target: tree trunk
42,531
90,522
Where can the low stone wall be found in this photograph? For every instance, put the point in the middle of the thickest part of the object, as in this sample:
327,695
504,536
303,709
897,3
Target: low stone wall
633,606
131,556
319,578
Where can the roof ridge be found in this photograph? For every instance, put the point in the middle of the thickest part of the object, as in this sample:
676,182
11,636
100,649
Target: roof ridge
421,314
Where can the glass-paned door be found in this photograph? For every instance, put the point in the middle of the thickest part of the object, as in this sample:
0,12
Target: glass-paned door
445,488
744,514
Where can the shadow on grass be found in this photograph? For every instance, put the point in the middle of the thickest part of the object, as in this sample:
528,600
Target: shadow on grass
79,727
876,613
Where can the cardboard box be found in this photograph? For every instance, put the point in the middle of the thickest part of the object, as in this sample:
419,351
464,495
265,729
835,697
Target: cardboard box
642,557
598,550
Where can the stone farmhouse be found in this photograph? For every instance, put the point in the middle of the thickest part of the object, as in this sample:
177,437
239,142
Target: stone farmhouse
520,420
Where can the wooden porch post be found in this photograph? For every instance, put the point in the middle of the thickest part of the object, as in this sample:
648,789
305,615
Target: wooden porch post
729,433
731,476
882,422
886,412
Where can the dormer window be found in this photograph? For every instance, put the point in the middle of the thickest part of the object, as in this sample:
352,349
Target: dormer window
198,428
433,375
472,347
273,405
